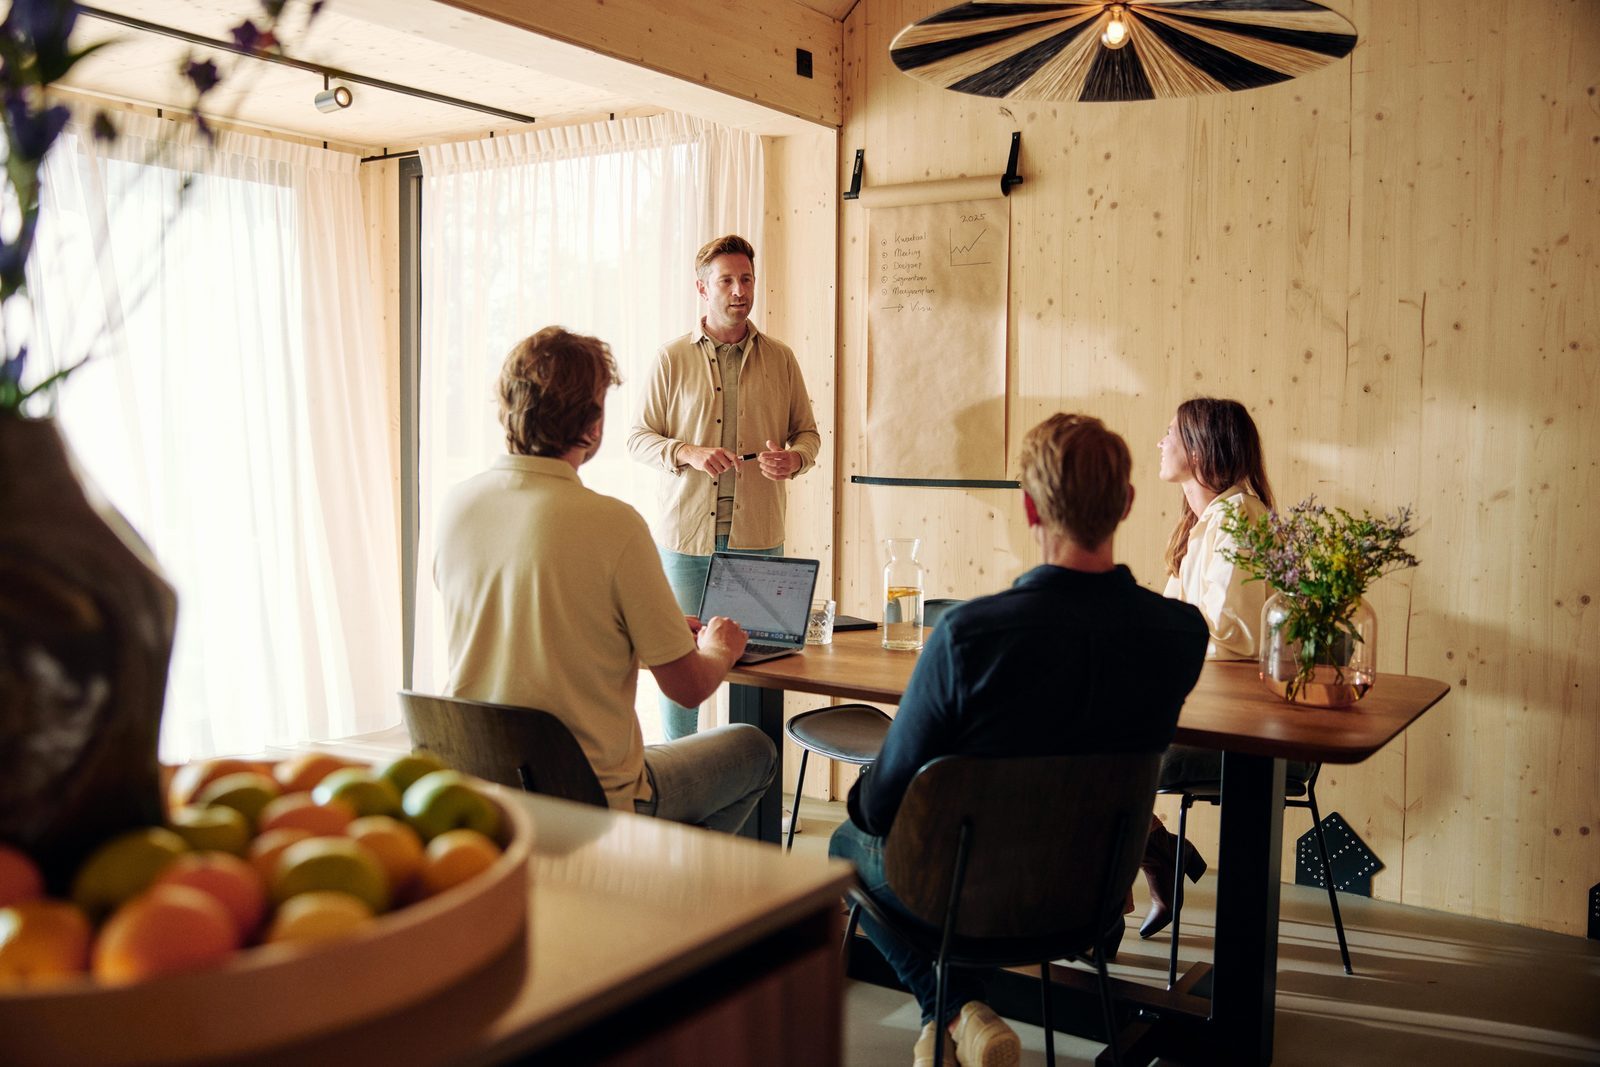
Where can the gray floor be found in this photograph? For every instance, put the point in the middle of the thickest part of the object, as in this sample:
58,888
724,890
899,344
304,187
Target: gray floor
1429,988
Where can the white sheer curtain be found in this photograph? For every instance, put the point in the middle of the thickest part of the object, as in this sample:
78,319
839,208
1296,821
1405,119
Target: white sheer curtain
590,227
234,412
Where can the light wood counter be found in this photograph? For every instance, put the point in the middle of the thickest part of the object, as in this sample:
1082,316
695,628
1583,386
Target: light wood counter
647,942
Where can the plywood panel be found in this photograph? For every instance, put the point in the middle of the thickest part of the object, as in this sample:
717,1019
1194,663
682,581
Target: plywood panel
799,295
747,54
1392,262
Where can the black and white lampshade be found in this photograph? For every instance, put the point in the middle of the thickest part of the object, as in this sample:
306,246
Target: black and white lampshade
1101,51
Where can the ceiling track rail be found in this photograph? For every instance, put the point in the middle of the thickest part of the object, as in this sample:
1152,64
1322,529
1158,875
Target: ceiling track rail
300,64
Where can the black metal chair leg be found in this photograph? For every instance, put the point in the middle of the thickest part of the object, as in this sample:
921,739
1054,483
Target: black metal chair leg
849,934
1327,877
799,785
1107,1013
1044,1013
1177,888
938,1013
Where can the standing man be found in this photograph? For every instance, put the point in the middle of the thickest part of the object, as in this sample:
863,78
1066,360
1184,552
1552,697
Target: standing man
721,396
554,595
1076,657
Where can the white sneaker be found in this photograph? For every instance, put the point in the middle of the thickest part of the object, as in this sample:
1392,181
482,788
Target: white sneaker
983,1039
790,817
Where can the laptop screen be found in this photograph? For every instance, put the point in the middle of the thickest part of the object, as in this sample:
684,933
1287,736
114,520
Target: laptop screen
768,596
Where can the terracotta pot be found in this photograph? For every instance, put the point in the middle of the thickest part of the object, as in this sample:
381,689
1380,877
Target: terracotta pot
86,623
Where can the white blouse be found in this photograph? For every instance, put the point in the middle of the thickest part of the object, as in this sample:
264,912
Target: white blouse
1208,581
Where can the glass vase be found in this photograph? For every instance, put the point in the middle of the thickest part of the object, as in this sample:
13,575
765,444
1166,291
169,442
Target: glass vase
1342,662
902,594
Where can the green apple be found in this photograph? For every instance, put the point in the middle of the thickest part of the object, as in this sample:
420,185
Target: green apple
124,867
404,770
364,792
445,800
246,792
218,828
335,864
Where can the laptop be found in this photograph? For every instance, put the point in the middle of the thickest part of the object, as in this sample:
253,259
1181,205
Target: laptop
768,596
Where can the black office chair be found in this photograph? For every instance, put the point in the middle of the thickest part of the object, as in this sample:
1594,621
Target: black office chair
849,733
1005,862
1300,791
499,743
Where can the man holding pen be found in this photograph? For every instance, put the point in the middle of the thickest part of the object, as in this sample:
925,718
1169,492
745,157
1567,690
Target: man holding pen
719,397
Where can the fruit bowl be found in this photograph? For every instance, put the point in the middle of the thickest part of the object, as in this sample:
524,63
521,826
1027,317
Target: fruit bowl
273,994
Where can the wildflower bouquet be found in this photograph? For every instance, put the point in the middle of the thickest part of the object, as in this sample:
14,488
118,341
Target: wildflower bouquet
1322,561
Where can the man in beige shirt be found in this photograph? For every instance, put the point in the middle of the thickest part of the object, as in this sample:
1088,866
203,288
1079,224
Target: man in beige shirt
554,595
720,397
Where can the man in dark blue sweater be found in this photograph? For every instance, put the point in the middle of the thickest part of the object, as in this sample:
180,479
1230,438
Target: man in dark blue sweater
1076,657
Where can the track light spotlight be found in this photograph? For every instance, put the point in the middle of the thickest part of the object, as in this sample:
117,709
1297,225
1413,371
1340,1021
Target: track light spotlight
332,99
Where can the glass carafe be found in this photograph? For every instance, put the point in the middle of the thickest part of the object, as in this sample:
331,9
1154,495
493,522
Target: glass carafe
902,594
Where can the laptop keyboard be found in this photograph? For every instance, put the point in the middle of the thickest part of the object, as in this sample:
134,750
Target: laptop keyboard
753,649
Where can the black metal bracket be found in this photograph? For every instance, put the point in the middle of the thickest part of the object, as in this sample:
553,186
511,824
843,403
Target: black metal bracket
1011,176
1353,861
1007,180
854,191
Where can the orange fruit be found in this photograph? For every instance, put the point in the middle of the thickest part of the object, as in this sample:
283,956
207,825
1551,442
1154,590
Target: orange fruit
299,809
266,849
42,942
318,916
301,774
234,883
397,846
20,879
453,857
167,929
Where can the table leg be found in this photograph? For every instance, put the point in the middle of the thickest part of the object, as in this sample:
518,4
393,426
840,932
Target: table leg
763,708
1245,973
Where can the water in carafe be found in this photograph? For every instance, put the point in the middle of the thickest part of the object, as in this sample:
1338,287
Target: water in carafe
902,595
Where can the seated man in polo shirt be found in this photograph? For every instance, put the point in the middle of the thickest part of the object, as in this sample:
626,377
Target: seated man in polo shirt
1076,657
555,594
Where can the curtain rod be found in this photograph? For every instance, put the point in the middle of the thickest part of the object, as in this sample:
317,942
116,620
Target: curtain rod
301,64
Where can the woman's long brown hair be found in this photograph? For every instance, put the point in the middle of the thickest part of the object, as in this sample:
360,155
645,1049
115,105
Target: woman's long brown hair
1222,445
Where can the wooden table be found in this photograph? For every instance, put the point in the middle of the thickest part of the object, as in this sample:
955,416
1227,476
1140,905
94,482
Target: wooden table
647,942
1223,1011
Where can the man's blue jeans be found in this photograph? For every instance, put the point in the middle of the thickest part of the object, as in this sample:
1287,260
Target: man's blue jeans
915,970
687,576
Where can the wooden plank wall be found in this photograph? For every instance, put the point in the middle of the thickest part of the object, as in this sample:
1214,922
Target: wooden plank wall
1393,263
799,297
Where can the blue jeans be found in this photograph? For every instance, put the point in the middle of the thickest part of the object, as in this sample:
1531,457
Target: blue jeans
916,971
687,576
712,779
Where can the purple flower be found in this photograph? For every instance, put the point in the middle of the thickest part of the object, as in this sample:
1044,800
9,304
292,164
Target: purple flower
204,76
33,132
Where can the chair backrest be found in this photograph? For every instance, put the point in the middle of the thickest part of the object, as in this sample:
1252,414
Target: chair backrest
519,747
933,609
1052,842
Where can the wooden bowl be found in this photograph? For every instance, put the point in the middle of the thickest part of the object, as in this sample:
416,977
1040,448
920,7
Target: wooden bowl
274,994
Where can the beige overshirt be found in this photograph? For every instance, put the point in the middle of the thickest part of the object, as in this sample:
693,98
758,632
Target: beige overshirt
1217,587
682,404
554,595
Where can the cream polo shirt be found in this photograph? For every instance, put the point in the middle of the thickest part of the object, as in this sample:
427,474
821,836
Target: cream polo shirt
682,404
554,595
1208,581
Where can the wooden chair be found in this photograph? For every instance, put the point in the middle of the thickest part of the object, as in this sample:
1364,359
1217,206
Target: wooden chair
1004,862
849,733
1300,791
496,742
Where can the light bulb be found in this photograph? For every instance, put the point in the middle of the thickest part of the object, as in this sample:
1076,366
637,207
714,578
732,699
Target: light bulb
1116,31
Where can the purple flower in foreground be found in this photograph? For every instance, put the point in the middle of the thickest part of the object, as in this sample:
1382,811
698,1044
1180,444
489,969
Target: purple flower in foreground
204,76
